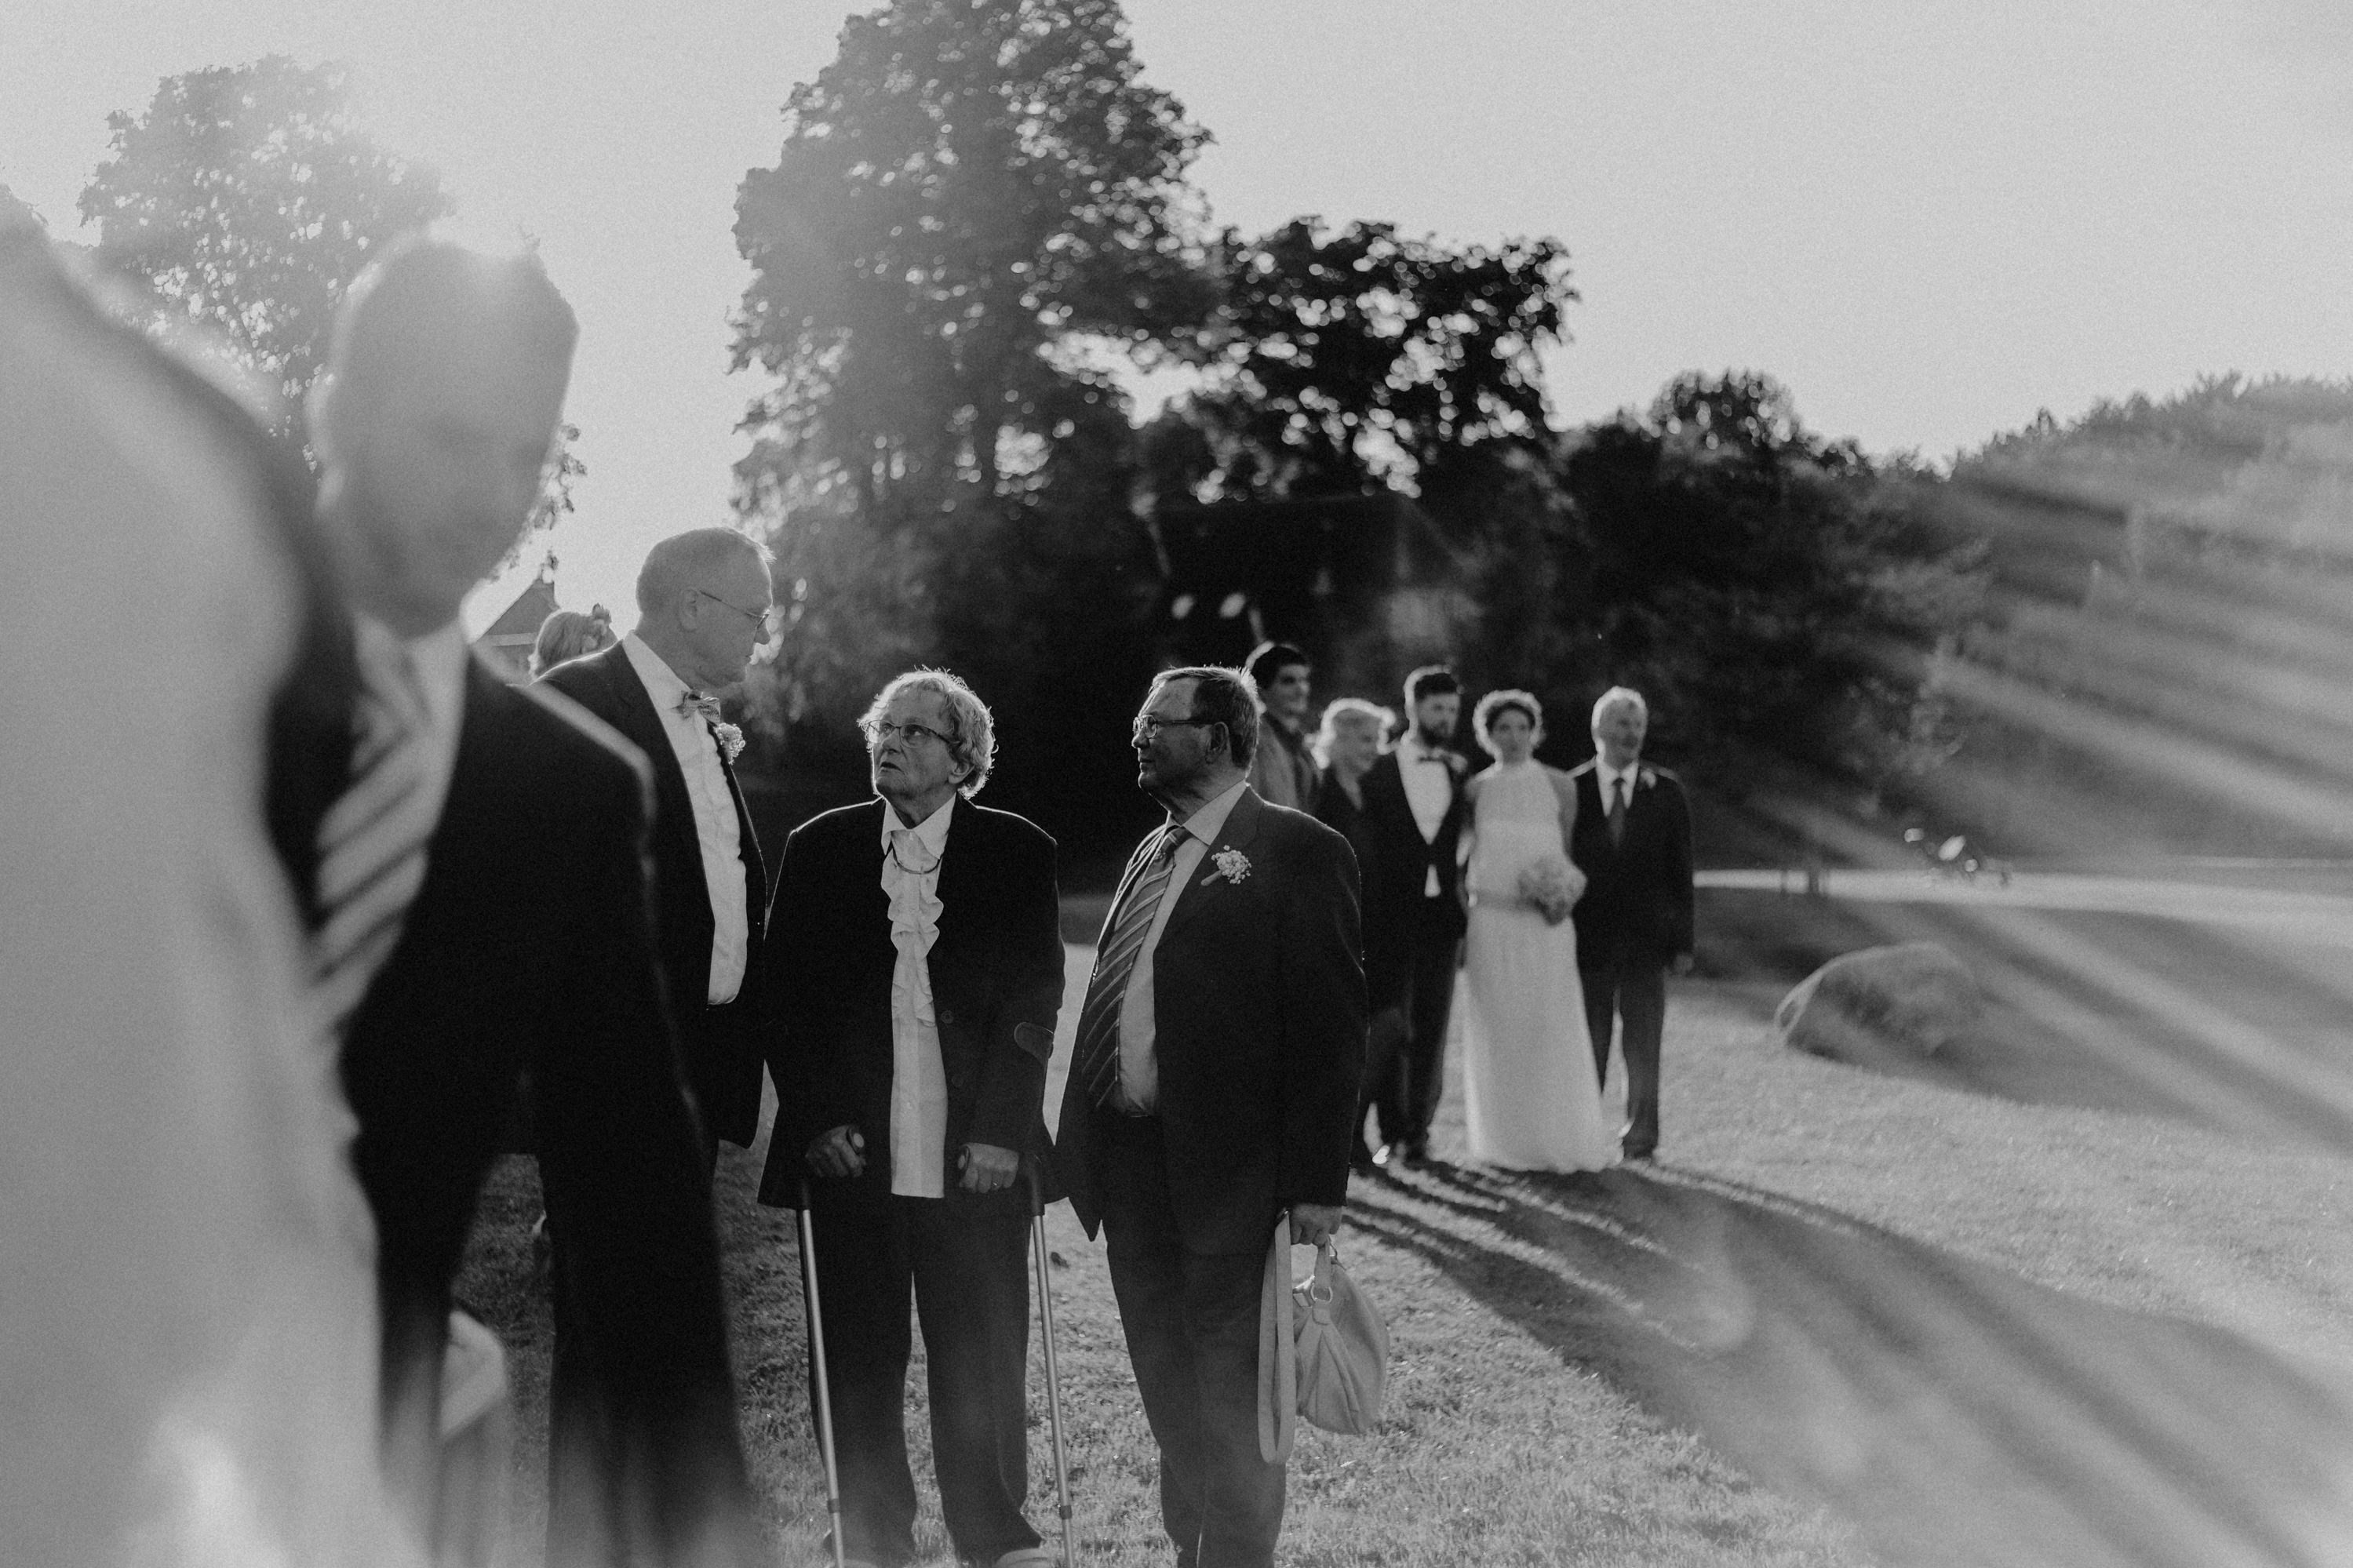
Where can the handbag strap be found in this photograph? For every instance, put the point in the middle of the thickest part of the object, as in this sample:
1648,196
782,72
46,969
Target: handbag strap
1319,1288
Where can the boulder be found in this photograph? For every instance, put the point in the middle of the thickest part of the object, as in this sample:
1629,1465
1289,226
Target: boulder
1912,1000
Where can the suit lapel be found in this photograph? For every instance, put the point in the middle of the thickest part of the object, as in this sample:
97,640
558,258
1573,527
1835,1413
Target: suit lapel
1204,885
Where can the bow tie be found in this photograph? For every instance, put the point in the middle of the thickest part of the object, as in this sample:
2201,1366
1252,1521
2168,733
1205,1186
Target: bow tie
694,704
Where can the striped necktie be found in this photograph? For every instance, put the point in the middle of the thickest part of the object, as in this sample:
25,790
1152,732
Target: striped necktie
1096,1058
1616,816
372,840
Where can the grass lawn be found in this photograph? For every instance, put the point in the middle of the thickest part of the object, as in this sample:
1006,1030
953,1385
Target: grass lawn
1848,1318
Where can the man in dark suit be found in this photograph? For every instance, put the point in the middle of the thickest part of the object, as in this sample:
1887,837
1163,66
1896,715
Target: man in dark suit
919,960
1414,913
703,600
480,896
1634,922
1212,1087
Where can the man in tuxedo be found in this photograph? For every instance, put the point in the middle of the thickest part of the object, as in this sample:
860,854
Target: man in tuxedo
703,603
1414,915
479,886
919,958
1212,1087
1634,922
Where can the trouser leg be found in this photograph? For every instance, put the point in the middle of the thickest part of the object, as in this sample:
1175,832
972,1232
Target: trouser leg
1642,1002
863,1276
1600,986
972,1297
1191,1323
1437,954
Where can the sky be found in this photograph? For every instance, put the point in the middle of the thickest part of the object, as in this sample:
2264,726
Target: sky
1929,220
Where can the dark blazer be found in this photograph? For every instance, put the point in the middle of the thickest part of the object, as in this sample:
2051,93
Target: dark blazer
1259,1027
996,971
722,1050
529,948
1637,907
1393,881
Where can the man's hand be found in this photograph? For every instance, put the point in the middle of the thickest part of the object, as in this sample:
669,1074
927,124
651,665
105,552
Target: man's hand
1681,964
840,1152
1313,1225
987,1168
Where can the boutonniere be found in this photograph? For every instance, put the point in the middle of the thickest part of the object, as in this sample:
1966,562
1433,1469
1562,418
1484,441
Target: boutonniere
1232,864
1646,778
730,740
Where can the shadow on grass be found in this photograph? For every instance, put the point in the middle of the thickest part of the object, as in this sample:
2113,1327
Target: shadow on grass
2243,1031
1956,1414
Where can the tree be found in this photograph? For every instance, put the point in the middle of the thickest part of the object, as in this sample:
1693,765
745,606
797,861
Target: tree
1783,600
963,195
247,198
1352,359
977,211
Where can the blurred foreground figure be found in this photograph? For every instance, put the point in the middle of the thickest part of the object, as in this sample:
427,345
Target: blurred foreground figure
478,888
186,1324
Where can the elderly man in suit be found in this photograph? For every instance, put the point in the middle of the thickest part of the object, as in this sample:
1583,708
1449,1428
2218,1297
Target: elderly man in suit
1211,1088
1634,922
919,963
703,603
478,883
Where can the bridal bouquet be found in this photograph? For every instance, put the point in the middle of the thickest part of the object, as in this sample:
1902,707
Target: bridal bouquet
1552,885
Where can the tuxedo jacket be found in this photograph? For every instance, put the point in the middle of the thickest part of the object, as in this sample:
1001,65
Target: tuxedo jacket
720,1051
1259,1031
528,952
996,971
1636,908
1401,861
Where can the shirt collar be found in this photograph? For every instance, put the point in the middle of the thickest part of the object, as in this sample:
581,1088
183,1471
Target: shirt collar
1411,744
438,659
662,683
1610,776
1210,820
932,831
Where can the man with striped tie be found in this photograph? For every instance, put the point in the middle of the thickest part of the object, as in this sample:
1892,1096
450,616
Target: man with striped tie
479,898
1213,1087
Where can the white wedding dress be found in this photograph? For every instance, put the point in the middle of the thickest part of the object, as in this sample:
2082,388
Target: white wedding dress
1532,1100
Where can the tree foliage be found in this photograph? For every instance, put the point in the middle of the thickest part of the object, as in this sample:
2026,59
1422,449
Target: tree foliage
976,210
1781,598
1353,358
248,198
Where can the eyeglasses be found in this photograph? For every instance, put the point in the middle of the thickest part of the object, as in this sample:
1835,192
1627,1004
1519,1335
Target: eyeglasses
1148,726
882,730
757,618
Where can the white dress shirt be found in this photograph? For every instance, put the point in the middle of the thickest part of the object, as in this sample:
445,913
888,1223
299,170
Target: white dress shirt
717,829
1139,1066
437,662
1428,790
919,1080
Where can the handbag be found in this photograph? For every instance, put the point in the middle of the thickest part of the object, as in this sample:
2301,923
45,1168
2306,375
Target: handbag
1323,1351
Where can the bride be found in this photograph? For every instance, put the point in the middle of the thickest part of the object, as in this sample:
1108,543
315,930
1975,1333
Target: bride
1531,1099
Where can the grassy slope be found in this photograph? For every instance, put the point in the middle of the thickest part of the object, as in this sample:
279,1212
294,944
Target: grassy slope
1982,1331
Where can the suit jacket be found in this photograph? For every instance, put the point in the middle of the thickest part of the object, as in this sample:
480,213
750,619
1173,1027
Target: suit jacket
722,1050
996,970
1394,897
1258,1028
529,948
1637,907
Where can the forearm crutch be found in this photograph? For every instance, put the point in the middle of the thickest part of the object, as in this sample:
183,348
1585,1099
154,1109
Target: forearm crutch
1053,1367
824,1388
